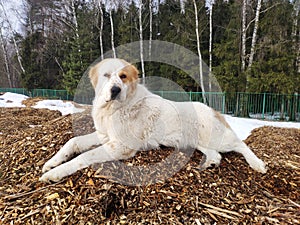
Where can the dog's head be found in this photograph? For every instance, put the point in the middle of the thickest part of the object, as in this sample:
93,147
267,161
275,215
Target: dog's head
113,80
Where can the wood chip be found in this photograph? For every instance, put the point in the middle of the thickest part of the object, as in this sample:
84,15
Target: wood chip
230,194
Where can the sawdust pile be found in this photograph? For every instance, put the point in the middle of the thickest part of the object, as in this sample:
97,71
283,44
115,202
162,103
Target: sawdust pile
230,194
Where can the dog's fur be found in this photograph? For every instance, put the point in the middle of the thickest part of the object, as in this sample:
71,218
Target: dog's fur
128,118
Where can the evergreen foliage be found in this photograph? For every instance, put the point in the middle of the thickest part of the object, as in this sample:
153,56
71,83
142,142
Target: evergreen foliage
55,56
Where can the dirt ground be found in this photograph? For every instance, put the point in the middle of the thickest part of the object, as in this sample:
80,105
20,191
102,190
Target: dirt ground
230,194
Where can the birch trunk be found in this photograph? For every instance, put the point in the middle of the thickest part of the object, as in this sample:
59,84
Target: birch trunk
254,35
199,52
150,29
101,30
296,34
11,31
141,40
244,30
210,44
76,29
112,34
182,6
75,22
5,59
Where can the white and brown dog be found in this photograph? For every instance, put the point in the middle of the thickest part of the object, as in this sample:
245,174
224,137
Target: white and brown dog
128,118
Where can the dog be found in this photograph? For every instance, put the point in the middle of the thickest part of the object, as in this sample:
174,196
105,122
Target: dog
128,118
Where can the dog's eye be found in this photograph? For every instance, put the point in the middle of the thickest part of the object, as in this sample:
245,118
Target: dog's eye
107,75
123,76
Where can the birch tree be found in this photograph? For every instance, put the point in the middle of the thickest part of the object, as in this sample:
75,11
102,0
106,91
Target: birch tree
100,10
150,27
254,35
182,6
210,42
244,33
5,56
112,33
296,33
12,33
199,51
140,6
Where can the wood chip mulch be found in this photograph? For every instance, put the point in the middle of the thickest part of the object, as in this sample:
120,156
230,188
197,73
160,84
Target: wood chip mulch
230,194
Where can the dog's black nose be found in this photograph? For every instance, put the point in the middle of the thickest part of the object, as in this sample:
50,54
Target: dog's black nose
115,90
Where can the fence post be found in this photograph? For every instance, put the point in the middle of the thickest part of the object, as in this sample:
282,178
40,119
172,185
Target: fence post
223,102
263,106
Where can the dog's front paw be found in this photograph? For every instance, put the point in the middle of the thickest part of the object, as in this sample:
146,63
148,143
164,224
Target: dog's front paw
52,163
53,175
259,166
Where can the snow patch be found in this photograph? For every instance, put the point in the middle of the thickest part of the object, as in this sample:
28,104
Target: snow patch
64,107
243,126
12,100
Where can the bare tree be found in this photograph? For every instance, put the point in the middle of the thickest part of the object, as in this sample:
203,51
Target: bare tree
140,6
5,56
101,28
75,21
112,33
199,52
150,27
182,6
296,33
210,42
12,33
244,32
254,35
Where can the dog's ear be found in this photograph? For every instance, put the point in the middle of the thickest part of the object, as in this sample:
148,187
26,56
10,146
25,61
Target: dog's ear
134,72
93,76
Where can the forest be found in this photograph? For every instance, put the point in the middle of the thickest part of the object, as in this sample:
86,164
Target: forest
248,45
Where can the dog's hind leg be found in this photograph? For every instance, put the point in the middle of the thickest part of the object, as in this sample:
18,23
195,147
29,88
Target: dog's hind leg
210,157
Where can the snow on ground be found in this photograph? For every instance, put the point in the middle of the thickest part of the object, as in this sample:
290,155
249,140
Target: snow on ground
15,100
12,100
64,107
242,126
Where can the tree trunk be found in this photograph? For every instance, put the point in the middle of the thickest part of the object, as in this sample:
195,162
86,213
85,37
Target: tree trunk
244,30
101,29
210,44
182,6
296,34
76,29
5,59
141,40
199,52
112,34
150,29
254,36
210,52
11,31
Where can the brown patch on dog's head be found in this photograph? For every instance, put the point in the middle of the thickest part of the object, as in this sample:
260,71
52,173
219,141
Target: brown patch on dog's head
221,119
129,76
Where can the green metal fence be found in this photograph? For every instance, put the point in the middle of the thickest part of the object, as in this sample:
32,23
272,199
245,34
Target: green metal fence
47,93
254,105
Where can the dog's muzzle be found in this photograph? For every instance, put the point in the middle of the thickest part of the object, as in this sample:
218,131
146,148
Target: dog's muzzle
115,91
